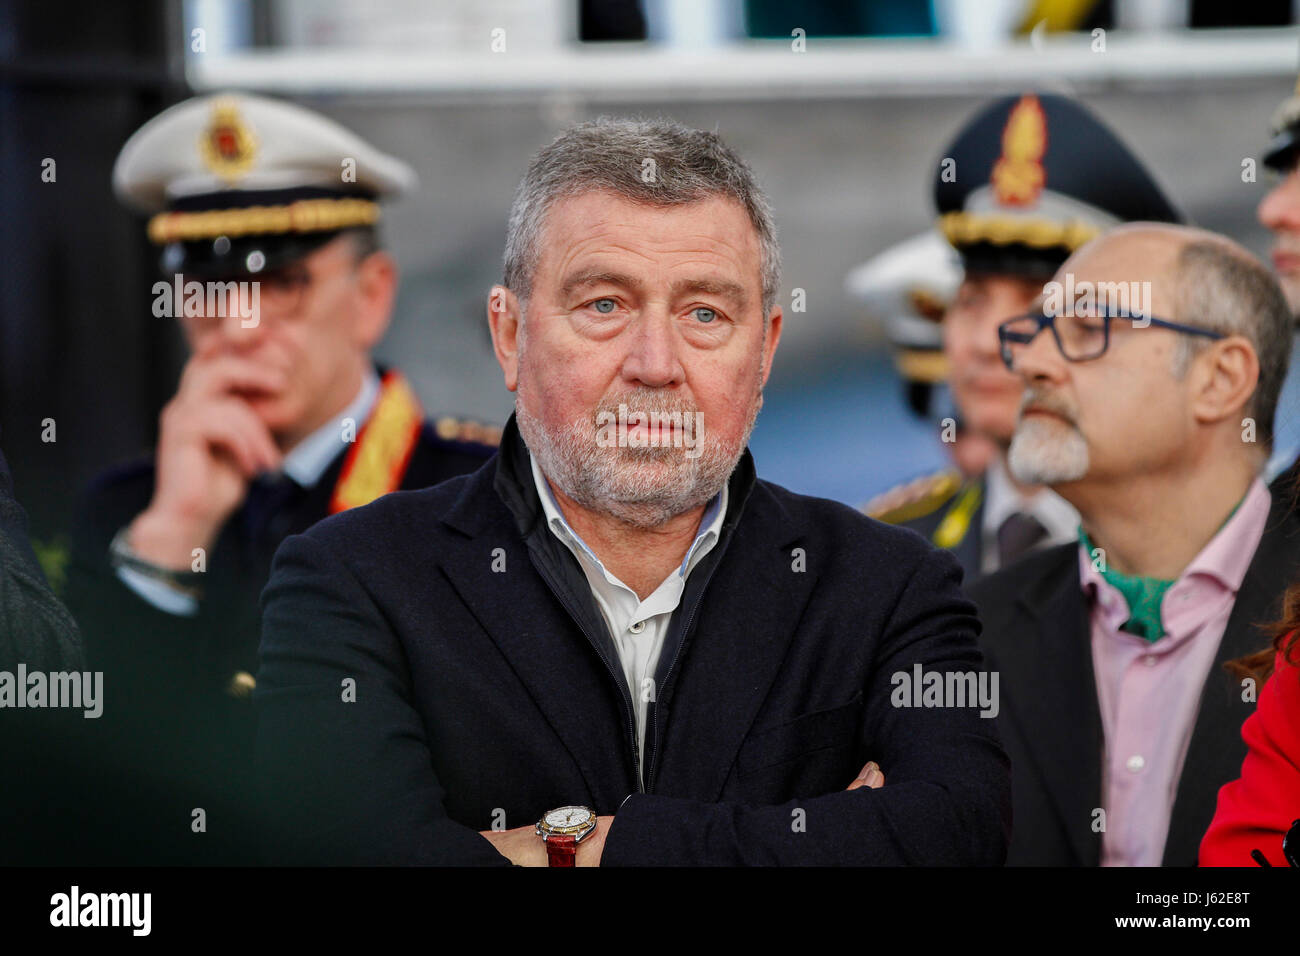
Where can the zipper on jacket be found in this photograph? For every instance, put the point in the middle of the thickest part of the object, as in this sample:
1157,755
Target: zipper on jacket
619,679
677,652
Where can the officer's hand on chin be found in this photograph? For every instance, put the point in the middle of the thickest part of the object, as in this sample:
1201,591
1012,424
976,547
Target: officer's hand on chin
211,444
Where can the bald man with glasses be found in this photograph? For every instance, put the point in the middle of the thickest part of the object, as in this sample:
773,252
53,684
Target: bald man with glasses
1148,405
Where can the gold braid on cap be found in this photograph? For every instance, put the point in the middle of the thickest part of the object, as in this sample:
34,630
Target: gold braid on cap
963,228
305,215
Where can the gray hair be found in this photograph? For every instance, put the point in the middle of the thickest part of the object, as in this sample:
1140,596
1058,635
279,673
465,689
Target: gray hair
1220,288
685,165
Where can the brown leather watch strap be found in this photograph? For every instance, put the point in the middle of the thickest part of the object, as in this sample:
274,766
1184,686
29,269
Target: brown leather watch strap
561,850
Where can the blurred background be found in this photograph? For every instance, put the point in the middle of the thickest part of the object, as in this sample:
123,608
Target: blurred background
843,108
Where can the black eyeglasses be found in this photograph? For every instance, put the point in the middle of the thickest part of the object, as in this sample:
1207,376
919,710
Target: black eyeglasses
281,292
1078,337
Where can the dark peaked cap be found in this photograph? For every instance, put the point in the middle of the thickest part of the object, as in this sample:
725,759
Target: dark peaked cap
1036,176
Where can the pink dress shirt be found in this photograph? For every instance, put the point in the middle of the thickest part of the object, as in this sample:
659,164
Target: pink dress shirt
1148,693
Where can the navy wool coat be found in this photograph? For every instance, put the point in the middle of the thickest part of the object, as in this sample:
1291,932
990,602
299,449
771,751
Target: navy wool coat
433,664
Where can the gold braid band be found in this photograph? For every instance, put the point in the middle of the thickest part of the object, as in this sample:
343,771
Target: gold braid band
963,228
952,529
305,215
377,460
922,365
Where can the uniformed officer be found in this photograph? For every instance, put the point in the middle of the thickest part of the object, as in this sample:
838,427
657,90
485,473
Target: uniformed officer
265,215
1027,181
1279,211
907,289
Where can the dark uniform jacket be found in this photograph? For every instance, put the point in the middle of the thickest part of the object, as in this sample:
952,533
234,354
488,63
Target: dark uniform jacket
1036,634
953,519
178,713
434,664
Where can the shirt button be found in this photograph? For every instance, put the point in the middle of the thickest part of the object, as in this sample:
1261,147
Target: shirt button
637,628
1135,763
1149,660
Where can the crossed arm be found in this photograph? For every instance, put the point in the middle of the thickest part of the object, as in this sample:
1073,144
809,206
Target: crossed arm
948,801
523,847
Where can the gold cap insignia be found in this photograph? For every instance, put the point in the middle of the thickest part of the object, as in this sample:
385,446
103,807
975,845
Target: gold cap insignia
227,145
1018,175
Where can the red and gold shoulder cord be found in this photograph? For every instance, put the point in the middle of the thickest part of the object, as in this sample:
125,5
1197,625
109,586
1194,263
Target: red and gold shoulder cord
377,460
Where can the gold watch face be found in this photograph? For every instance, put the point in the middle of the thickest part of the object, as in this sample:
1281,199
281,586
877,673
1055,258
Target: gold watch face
567,819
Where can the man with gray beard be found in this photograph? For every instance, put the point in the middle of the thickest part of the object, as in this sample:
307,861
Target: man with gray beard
613,644
1155,420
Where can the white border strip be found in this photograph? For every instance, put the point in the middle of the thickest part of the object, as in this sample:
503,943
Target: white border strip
765,69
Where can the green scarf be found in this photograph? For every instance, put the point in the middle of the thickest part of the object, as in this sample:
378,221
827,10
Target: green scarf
1144,596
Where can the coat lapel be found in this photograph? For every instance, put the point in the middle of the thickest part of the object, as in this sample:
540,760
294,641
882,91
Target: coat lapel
1055,698
565,674
562,674
1216,750
709,705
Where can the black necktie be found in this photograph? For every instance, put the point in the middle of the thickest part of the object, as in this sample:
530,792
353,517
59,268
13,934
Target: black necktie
1016,535
267,506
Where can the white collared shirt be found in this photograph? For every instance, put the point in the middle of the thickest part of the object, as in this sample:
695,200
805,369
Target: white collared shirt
305,463
1002,499
309,459
637,627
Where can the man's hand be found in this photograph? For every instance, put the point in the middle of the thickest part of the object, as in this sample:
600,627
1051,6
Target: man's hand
590,849
869,776
523,847
211,445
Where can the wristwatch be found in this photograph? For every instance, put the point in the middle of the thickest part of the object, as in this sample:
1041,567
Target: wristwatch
563,829
120,555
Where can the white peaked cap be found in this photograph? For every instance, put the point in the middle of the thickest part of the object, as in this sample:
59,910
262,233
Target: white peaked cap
219,142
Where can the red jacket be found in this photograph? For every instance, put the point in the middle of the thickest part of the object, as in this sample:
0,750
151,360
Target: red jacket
1257,809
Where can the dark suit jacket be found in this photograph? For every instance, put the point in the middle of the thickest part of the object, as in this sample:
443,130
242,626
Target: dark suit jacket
35,628
38,632
488,690
1037,635
35,631
173,738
